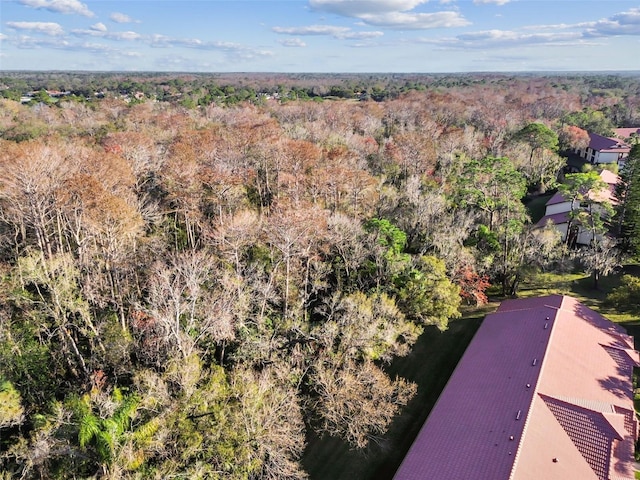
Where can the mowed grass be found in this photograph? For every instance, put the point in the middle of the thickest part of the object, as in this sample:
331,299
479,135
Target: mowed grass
430,365
580,286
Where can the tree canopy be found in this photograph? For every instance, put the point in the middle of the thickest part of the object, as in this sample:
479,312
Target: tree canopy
199,274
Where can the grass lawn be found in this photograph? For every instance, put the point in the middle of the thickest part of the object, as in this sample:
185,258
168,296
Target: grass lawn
580,286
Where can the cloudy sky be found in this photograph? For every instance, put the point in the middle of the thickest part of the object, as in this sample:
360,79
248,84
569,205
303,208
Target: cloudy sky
320,35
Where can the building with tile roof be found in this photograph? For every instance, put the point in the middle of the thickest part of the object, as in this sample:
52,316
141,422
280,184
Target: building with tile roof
627,133
604,149
558,210
544,391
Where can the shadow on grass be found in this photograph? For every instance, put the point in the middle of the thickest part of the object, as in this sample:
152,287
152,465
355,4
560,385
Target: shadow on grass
429,365
536,206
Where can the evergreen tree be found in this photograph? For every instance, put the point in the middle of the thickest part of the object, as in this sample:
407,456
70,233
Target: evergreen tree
628,208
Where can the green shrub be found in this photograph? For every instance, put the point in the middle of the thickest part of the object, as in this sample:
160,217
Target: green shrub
627,296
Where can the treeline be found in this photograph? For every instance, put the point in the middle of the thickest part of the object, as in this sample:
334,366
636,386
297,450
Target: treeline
616,94
187,291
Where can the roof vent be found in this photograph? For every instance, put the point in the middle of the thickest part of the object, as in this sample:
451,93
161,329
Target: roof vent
535,360
528,385
546,325
518,414
555,460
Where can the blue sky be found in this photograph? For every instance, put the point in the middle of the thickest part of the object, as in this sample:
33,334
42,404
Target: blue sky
320,35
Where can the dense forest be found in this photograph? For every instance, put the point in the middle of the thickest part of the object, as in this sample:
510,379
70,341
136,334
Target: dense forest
198,270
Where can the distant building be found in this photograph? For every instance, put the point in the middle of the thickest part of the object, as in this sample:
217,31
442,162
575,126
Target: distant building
604,149
627,133
613,149
544,391
558,210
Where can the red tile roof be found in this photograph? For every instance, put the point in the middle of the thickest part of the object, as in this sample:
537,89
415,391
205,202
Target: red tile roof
556,198
626,132
556,219
543,391
589,430
606,144
607,194
609,177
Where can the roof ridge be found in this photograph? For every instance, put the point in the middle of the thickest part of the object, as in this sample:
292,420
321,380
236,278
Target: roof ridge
593,405
549,323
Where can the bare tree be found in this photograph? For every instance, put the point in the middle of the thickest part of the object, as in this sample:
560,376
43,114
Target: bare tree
358,401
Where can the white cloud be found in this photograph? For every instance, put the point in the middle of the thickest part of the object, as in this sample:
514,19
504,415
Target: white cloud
235,50
59,43
292,42
625,23
95,48
329,30
28,42
510,37
2,36
507,39
160,41
562,34
189,42
312,30
232,51
102,49
395,14
557,26
630,17
491,2
60,6
357,8
100,30
46,28
123,36
361,35
99,27
416,21
121,18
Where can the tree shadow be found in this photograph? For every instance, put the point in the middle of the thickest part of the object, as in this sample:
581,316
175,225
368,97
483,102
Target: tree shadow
618,334
619,387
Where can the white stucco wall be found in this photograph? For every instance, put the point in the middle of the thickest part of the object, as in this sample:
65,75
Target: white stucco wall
558,208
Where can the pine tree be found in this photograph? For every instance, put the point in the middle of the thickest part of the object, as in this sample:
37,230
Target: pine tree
628,208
